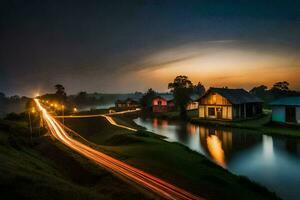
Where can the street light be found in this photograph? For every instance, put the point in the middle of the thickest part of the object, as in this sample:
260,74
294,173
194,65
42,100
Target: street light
63,113
74,109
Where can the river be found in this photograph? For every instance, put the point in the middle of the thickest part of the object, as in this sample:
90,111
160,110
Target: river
271,161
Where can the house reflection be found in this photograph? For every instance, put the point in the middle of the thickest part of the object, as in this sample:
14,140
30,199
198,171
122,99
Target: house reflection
155,122
159,123
214,146
191,128
221,145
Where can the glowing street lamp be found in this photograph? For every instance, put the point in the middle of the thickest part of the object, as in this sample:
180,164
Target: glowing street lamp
63,113
33,110
74,109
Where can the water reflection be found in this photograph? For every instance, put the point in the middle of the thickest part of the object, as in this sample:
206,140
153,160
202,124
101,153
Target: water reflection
268,151
273,162
214,146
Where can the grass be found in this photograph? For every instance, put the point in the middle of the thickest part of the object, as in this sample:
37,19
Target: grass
172,162
45,169
262,124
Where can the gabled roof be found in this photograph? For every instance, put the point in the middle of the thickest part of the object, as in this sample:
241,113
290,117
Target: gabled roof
126,101
288,101
235,96
167,97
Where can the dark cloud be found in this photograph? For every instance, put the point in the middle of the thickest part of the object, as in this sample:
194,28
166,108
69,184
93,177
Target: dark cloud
86,44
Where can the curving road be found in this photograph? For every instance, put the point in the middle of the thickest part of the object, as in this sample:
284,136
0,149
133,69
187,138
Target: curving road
141,178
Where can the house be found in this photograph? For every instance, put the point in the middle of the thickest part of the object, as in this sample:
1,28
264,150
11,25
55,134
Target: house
194,102
286,110
127,104
159,104
171,105
229,104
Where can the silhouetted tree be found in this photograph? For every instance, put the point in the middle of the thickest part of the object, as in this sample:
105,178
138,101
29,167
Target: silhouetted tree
282,85
2,97
147,98
259,91
199,89
182,88
60,92
82,98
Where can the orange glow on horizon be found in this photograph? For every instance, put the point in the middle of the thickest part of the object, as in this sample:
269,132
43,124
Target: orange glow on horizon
220,66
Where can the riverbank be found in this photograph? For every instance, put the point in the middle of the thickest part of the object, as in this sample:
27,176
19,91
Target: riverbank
172,162
261,124
42,168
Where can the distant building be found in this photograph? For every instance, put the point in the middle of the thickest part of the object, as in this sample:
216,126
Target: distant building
229,104
194,103
171,105
159,104
286,110
127,104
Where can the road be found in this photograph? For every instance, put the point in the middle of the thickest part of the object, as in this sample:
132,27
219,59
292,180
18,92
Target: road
146,180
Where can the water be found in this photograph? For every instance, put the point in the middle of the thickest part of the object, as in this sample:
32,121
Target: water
102,106
271,161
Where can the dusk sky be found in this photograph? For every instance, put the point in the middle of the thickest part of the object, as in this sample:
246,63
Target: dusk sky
126,46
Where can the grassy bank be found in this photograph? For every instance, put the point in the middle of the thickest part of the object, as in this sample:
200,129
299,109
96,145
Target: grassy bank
170,161
45,169
262,124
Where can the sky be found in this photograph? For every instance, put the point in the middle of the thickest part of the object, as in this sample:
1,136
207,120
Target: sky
126,46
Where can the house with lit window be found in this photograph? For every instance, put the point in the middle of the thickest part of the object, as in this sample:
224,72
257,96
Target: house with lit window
159,104
193,104
127,104
286,110
229,104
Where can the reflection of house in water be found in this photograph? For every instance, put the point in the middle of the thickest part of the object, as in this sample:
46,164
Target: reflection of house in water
156,122
191,128
231,140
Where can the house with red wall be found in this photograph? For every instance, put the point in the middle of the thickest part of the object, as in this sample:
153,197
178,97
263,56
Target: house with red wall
159,104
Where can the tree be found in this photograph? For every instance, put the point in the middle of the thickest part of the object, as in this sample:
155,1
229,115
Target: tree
259,90
147,98
182,88
60,92
199,89
282,86
81,98
2,97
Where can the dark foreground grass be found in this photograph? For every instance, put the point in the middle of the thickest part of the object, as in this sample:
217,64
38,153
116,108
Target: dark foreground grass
45,169
172,162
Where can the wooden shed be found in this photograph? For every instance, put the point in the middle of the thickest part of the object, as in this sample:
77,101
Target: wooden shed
229,104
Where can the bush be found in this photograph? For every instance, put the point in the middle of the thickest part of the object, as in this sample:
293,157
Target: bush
15,117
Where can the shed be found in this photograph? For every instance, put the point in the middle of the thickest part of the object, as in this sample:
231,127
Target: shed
286,110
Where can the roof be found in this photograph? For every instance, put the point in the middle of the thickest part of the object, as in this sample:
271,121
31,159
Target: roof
288,101
195,97
235,96
126,100
167,97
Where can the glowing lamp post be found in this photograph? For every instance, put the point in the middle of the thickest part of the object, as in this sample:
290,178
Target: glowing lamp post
63,113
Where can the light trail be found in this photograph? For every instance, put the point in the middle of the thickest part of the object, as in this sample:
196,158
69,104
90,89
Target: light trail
107,117
141,178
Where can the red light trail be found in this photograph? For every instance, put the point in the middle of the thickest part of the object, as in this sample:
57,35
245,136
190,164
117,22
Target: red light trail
148,181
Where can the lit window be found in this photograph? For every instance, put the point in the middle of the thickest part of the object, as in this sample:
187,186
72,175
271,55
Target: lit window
214,98
211,111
